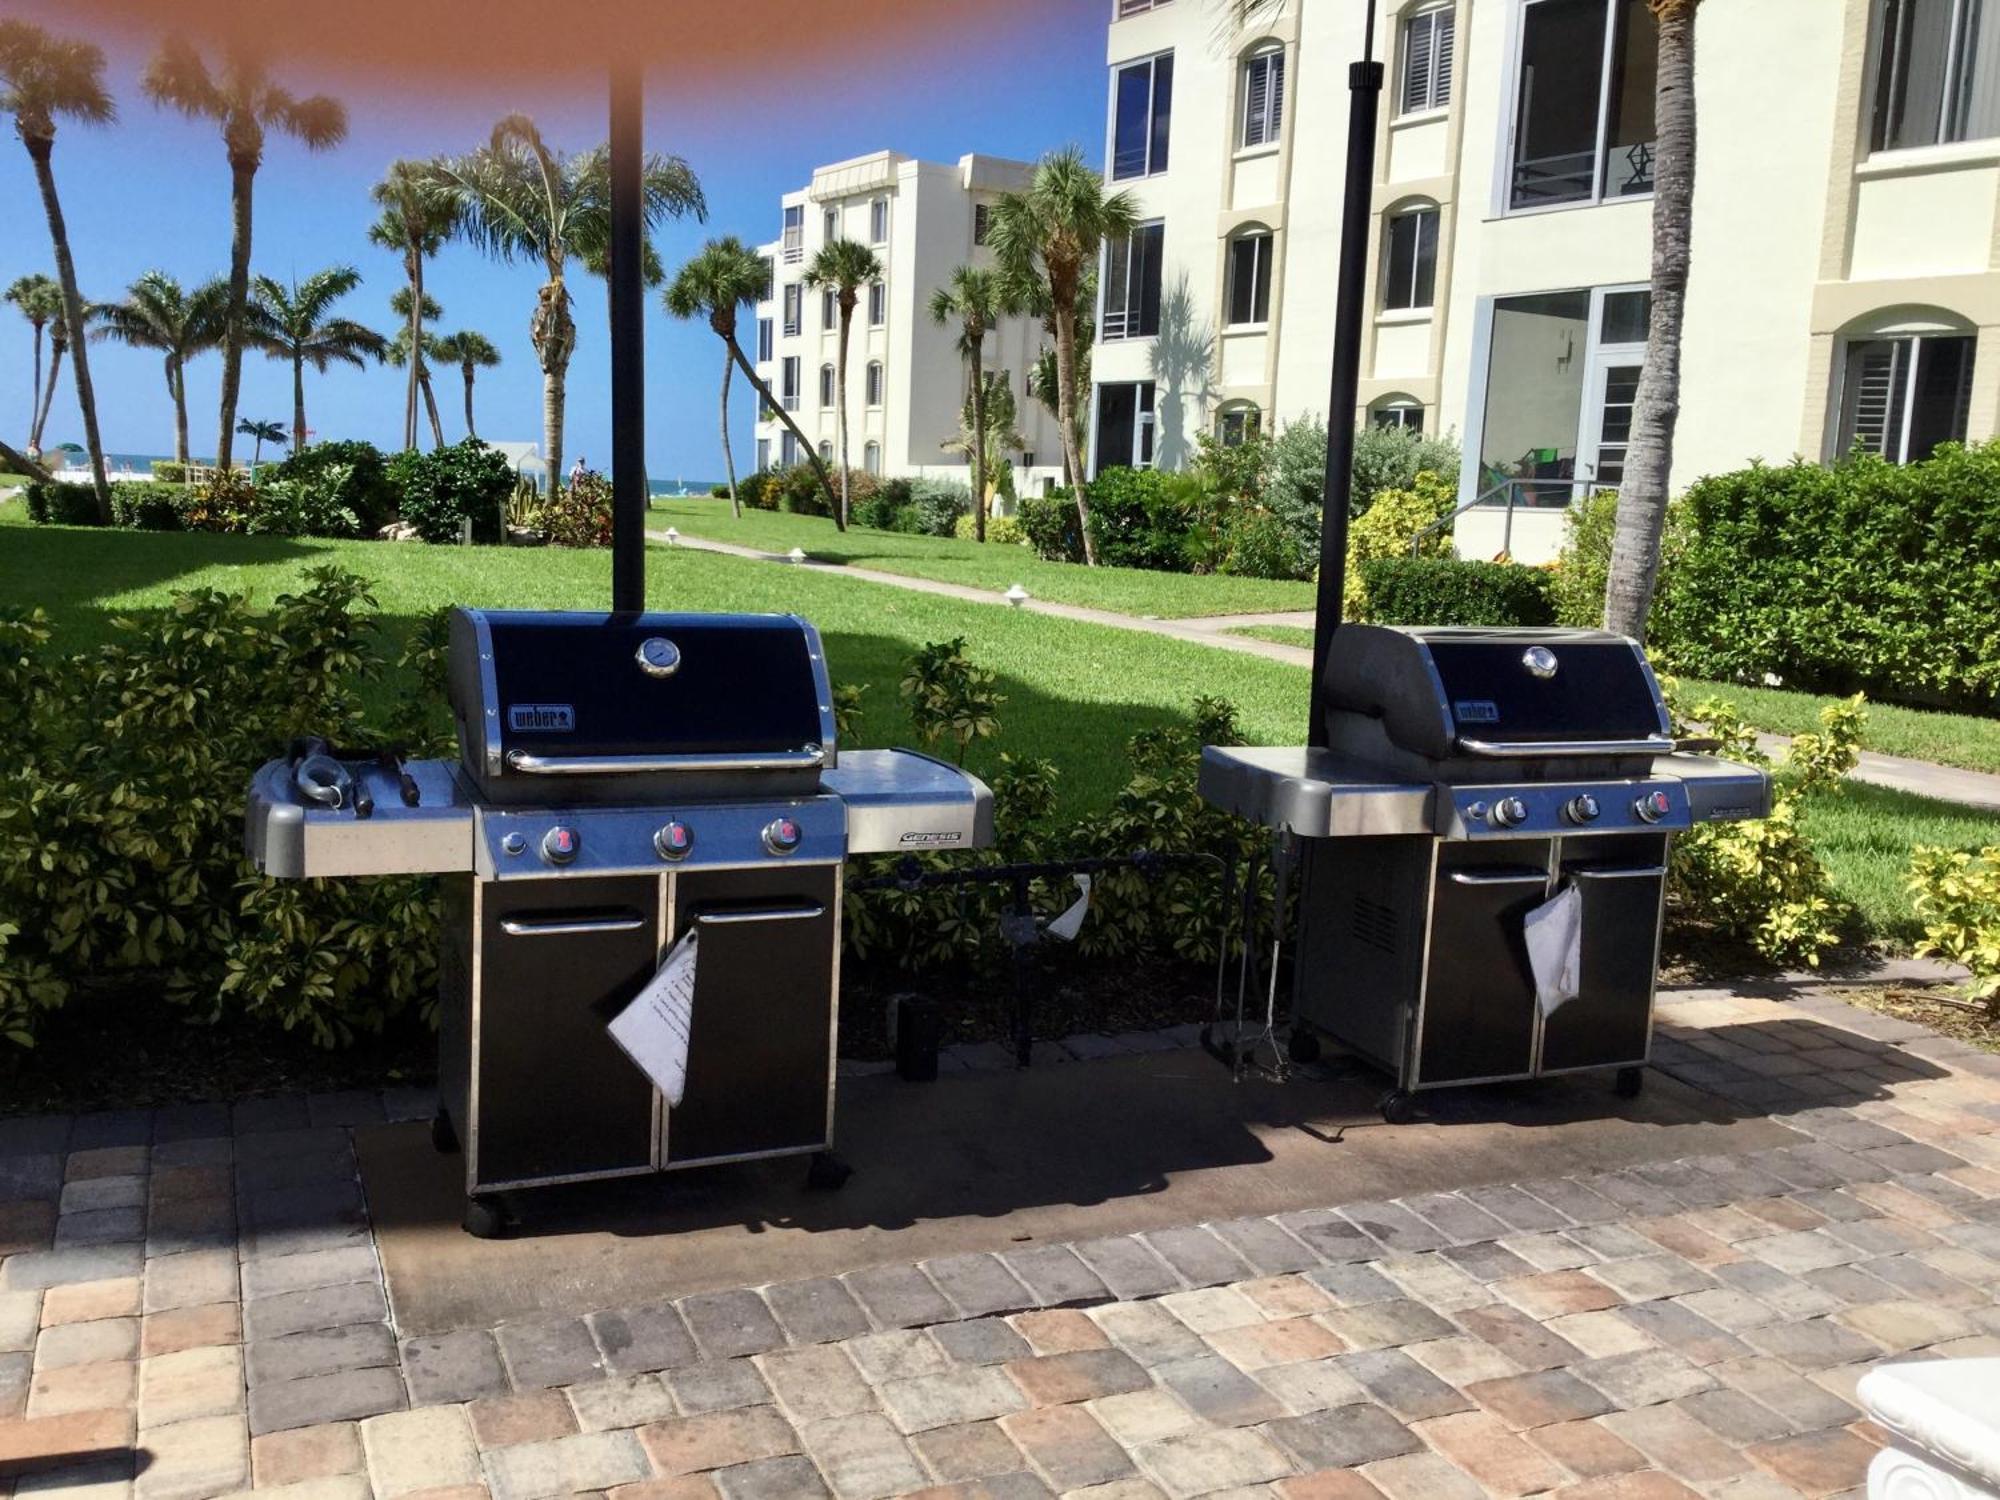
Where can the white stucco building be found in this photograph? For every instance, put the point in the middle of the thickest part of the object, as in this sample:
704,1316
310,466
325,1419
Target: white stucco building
906,380
1846,284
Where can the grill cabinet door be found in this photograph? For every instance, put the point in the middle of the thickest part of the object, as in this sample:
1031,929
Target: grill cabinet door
760,1053
556,1097
1610,1021
1479,996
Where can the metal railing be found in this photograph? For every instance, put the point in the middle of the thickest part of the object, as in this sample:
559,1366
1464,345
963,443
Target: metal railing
1540,494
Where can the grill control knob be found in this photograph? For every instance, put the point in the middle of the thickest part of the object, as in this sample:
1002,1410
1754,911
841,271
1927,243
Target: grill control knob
782,835
515,843
675,840
1582,808
1653,806
1509,812
560,844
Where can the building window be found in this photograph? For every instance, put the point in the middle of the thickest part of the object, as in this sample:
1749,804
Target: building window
788,448
1398,412
789,382
795,233
1263,97
1143,100
794,296
1583,103
1901,397
878,304
1132,283
763,454
829,310
825,451
1427,53
1137,7
871,457
1237,425
1937,73
874,382
878,222
1410,278
764,341
829,225
981,218
765,294
826,385
1125,425
1027,458
1249,290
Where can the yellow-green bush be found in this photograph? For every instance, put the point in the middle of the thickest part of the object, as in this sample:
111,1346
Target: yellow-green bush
1956,893
1387,528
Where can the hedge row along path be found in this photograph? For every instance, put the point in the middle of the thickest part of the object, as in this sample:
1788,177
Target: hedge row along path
1945,783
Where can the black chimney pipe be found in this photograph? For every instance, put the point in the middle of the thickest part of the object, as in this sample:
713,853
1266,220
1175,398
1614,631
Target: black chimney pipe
628,341
1364,84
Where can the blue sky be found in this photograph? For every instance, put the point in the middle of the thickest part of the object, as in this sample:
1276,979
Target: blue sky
152,191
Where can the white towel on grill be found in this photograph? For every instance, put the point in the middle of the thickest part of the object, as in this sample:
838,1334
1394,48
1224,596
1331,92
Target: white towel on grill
1554,931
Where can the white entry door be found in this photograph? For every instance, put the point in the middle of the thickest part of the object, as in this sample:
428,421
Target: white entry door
1607,420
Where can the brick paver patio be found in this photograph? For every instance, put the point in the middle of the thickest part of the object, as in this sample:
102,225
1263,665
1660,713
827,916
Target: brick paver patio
191,1305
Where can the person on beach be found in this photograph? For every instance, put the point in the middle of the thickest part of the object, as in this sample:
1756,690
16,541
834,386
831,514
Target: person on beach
578,470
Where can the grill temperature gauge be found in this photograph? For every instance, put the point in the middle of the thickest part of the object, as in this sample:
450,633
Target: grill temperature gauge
781,835
1653,806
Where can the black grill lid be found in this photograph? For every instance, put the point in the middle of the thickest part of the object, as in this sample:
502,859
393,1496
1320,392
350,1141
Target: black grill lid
574,694
1440,691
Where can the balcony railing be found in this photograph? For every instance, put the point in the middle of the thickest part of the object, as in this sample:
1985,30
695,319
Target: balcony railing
1526,494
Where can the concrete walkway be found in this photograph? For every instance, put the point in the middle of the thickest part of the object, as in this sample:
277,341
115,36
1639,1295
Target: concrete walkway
1978,789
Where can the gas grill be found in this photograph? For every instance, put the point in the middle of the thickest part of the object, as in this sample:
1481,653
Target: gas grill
622,779
1468,776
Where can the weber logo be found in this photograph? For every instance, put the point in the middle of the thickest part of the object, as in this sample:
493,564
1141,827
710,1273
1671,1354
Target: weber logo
1476,711
541,718
931,839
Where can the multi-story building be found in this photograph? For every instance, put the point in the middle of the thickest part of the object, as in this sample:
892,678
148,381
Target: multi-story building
906,379
1846,246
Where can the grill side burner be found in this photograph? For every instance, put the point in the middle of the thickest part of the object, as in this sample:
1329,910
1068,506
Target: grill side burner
624,780
1470,776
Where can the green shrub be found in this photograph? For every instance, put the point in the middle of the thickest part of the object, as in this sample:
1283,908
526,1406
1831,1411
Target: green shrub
888,508
1454,591
938,503
358,473
1391,458
1259,543
1001,531
1956,893
756,491
949,698
798,491
1387,529
579,514
167,471
1050,524
225,503
55,502
1858,576
311,505
1576,583
149,505
1241,472
440,489
1144,518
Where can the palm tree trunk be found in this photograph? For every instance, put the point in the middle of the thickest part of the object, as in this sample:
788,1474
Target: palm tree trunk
298,402
466,371
431,406
86,397
1642,493
257,451
48,395
242,174
35,399
553,381
840,402
414,263
978,440
763,389
1065,317
177,388
728,457
553,333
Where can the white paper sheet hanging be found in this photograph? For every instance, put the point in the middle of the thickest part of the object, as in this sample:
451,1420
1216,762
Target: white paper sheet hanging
1554,931
654,1028
1070,922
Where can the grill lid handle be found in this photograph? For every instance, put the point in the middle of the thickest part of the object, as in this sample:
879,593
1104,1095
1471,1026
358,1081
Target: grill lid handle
1652,744
810,758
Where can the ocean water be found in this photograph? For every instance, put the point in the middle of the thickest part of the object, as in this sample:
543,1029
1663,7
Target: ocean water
140,466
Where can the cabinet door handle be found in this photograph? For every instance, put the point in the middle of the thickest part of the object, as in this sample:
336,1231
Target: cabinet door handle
803,911
629,921
1619,872
1500,877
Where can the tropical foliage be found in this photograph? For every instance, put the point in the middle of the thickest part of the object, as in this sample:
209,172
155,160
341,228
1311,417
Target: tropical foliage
295,323
843,267
157,315
976,299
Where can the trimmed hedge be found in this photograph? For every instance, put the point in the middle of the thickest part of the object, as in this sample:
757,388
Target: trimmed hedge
1860,576
1051,526
150,506
467,481
54,502
352,475
1453,591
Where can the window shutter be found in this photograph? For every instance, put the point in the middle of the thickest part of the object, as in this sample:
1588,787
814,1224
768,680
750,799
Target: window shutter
1876,384
1417,64
1256,97
1276,69
1441,70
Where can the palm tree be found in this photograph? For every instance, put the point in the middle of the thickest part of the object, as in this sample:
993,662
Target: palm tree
43,78
517,197
1047,240
1642,491
240,96
399,353
418,214
263,432
470,351
987,432
726,275
58,346
40,302
291,323
843,267
977,299
157,314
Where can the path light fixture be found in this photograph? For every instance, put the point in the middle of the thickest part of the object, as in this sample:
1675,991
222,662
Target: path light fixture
797,555
673,536
1017,596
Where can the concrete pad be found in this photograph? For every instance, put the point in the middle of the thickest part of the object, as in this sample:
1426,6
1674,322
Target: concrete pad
1002,1161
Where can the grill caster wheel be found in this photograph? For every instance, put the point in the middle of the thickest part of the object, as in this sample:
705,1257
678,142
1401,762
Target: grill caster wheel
1397,1108
1303,1045
1629,1082
444,1138
485,1219
826,1173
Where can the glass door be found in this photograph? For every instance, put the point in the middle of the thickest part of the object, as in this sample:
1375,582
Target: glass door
1611,386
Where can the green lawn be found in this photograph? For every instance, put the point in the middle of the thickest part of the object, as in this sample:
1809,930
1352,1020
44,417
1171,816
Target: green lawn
1921,734
1865,836
1132,591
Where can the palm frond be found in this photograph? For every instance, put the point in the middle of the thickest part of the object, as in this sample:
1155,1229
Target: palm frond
178,78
